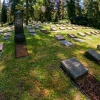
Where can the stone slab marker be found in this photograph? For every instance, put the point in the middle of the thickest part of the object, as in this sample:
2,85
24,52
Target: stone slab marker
19,32
59,37
66,43
93,55
73,68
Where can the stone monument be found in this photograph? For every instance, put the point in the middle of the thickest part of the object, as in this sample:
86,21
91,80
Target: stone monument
19,32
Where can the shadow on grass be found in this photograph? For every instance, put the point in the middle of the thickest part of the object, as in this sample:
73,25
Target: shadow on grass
38,76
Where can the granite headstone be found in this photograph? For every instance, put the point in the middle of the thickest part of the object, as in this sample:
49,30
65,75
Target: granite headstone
74,68
19,32
93,55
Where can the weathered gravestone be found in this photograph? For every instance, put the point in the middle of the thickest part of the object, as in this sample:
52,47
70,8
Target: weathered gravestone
98,46
44,31
88,33
71,35
59,37
81,34
93,32
19,32
66,43
74,68
93,55
78,39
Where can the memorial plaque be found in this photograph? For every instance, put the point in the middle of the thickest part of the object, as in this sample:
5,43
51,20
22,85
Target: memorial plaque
44,31
75,28
59,37
74,68
78,39
92,32
69,28
81,34
61,28
19,33
93,55
1,31
1,47
98,46
71,36
53,29
66,43
88,33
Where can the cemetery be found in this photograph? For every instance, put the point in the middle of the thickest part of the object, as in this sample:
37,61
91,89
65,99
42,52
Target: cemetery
48,51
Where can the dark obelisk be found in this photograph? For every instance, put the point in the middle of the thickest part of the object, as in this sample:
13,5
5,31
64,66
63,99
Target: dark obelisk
19,32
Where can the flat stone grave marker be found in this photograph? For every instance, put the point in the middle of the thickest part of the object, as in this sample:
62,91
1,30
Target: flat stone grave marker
61,28
58,25
75,28
7,34
98,46
66,43
88,33
78,39
69,28
92,32
81,34
71,35
74,68
1,31
32,32
63,25
45,31
97,32
53,29
37,27
59,37
93,55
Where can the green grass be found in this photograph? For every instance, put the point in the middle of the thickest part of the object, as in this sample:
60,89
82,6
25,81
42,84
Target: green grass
38,76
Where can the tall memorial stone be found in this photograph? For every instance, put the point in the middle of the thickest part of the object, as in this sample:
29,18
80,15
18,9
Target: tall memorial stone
19,32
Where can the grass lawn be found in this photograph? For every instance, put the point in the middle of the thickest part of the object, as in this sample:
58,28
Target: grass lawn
38,76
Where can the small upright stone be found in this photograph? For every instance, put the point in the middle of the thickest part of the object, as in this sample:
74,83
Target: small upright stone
19,32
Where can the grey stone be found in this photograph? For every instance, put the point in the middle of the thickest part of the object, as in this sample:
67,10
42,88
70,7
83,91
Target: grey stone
98,46
1,31
19,36
69,28
81,34
66,43
88,33
93,55
74,68
61,28
1,47
59,37
71,35
45,31
78,39
75,28
53,29
92,32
